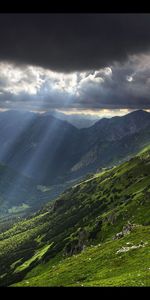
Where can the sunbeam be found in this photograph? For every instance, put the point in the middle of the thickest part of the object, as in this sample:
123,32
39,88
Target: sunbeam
10,136
35,144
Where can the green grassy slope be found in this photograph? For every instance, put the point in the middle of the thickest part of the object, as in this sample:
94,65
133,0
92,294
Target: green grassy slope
74,240
122,262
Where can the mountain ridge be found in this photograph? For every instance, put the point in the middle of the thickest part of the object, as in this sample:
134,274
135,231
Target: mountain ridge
59,141
53,153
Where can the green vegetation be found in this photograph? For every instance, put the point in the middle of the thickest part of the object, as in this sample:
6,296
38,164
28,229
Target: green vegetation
99,265
94,234
37,256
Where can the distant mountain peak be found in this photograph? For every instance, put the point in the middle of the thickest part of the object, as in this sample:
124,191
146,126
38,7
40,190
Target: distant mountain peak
137,114
139,111
131,115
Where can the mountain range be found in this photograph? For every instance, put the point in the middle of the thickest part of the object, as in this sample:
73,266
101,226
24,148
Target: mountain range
41,156
77,120
52,151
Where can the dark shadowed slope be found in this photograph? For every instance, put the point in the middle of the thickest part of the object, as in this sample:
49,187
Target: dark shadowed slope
21,196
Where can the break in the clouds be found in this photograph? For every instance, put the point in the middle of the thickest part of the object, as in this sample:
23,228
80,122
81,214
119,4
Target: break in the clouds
123,85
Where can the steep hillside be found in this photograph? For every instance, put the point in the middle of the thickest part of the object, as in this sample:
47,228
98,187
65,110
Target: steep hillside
96,233
123,262
113,140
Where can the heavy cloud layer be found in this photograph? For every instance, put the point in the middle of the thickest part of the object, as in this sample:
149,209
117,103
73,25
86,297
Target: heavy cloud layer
74,62
73,42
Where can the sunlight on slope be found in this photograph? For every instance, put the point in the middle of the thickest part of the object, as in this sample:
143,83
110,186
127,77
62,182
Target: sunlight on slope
98,265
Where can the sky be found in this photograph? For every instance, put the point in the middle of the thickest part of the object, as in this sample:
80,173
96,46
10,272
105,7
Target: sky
79,64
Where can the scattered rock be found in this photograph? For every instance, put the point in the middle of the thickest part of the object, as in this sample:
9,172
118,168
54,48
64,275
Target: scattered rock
126,230
126,249
118,235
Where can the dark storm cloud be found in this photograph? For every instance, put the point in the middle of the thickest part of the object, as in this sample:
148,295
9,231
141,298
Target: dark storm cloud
72,42
74,61
127,86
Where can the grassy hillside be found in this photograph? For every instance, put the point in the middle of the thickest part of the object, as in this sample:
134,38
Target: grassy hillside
122,262
94,234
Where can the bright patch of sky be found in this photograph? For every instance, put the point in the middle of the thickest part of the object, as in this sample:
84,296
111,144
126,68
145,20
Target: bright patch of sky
32,80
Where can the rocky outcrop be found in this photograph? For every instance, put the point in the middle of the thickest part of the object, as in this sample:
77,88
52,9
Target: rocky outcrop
57,204
126,230
77,244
